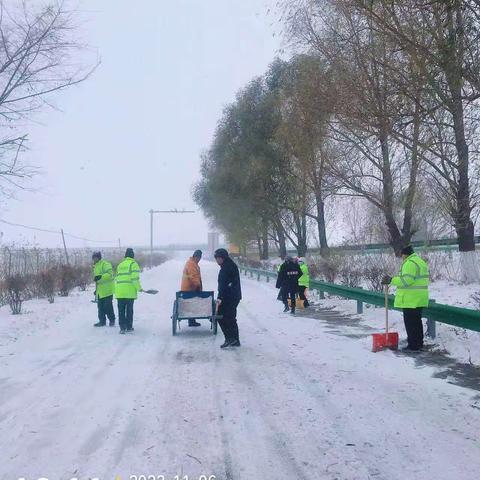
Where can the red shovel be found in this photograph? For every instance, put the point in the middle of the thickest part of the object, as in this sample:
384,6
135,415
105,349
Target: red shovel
382,341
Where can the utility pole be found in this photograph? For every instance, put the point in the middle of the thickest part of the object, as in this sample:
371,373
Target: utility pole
152,213
65,247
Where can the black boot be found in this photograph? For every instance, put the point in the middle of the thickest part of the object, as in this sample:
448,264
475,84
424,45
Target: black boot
193,323
306,304
235,343
112,323
123,331
99,324
286,309
226,344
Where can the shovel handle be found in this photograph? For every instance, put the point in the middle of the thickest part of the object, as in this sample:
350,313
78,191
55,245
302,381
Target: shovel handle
386,310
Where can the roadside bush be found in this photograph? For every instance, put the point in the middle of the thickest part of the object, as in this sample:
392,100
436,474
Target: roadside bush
254,264
350,276
67,279
83,277
476,298
15,288
329,268
48,284
373,275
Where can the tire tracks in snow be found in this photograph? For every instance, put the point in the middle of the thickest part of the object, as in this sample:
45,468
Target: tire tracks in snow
330,434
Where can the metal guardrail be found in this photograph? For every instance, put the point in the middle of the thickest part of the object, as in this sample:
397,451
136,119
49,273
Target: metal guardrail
440,244
435,312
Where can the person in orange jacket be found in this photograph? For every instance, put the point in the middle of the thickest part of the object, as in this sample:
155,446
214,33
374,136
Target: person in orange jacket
192,279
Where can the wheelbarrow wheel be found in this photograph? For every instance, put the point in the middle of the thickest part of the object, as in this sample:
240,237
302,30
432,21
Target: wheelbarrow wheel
174,318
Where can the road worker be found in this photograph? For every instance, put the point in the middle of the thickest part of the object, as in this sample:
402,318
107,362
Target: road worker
192,279
411,295
104,287
127,286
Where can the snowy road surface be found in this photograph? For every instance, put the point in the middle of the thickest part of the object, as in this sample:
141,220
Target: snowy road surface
295,402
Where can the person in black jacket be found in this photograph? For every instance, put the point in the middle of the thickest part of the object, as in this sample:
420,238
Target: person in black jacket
287,282
229,296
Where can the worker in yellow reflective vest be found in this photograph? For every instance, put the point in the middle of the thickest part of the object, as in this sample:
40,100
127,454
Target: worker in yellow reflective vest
303,281
103,278
127,286
411,295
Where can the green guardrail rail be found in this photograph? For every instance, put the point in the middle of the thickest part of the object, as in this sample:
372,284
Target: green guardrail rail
435,312
440,244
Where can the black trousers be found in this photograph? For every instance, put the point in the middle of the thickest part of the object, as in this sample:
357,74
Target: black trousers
414,327
105,309
290,293
125,313
228,322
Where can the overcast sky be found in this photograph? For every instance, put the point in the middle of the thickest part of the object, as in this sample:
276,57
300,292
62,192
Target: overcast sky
129,139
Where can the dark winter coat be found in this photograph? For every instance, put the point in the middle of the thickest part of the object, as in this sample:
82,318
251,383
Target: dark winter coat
229,289
288,275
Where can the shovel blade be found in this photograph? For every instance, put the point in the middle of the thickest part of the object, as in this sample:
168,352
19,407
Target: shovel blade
382,341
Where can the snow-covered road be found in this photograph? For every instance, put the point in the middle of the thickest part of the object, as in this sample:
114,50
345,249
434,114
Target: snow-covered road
294,402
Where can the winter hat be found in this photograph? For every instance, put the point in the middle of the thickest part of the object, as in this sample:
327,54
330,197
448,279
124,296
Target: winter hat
221,253
97,255
129,253
288,259
407,250
197,253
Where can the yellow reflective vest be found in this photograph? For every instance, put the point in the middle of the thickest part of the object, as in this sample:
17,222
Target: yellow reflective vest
304,280
104,286
127,280
412,283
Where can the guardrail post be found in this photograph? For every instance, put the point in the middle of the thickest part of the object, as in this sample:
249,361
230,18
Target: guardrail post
359,306
321,294
431,325
258,276
268,278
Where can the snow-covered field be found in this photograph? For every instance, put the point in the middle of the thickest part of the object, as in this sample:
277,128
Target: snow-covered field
294,402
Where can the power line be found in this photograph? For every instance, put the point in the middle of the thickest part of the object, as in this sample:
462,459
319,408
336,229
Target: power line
56,232
30,227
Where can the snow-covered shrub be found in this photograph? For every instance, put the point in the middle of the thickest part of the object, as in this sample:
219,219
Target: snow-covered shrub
440,264
251,263
476,298
143,260
67,279
328,268
83,277
351,275
373,275
15,289
48,284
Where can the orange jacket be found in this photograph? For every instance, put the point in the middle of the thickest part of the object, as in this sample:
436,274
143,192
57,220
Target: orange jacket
191,279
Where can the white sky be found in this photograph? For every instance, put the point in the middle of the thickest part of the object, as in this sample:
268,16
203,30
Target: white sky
129,139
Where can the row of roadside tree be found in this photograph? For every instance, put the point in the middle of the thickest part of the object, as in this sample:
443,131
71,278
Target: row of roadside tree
379,101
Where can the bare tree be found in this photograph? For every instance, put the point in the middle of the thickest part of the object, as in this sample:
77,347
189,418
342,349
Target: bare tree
39,56
368,73
443,37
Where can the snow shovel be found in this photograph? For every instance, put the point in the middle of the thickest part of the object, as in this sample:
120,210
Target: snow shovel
151,291
382,341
